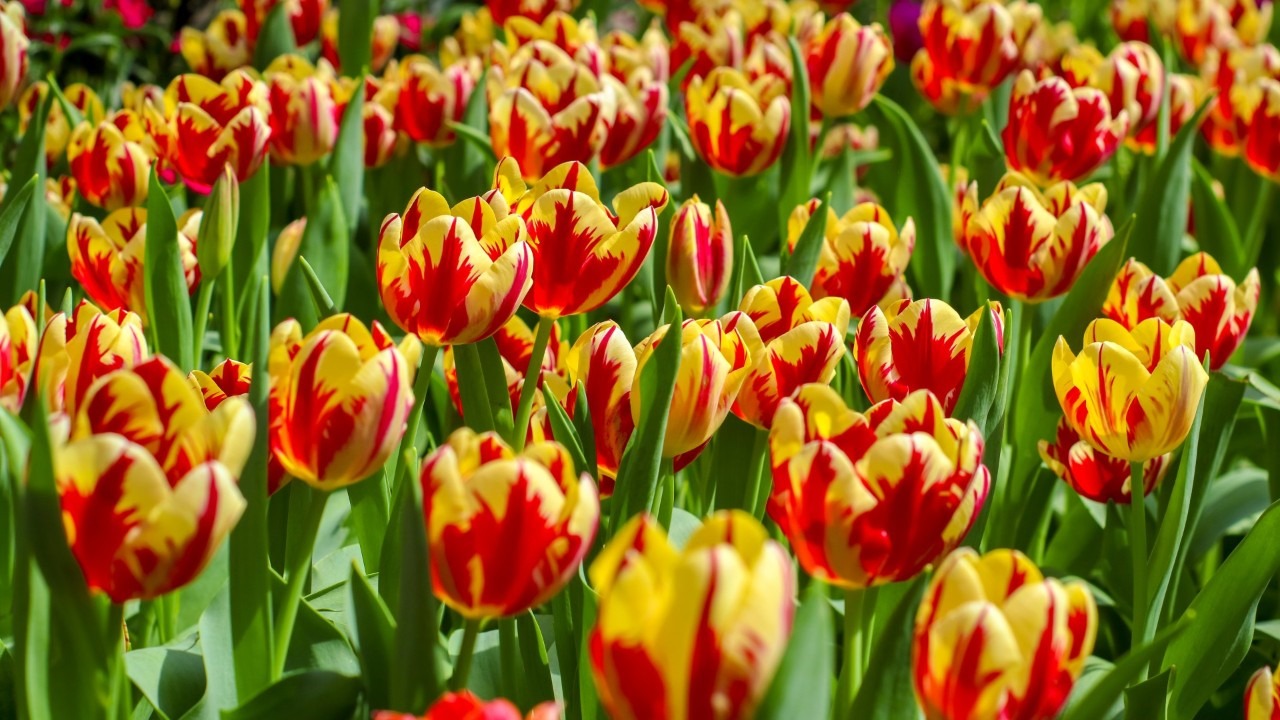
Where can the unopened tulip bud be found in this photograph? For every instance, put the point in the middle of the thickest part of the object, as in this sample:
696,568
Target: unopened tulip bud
218,226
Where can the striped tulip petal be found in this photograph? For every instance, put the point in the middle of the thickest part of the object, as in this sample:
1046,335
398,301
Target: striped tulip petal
1059,133
863,256
214,124
847,64
17,356
110,171
75,352
738,126
1262,696
1094,474
429,98
220,48
700,255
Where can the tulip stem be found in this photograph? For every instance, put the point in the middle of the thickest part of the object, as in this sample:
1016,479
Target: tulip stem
462,668
855,610
203,302
230,324
1138,542
115,671
531,376
298,551
421,386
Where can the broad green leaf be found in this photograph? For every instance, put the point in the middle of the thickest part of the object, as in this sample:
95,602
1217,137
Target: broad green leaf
978,398
20,270
585,430
1163,208
168,302
1216,230
275,38
249,256
797,160
1104,693
886,692
566,647
566,434
346,164
1148,700
11,214
801,687
478,139
535,667
355,35
746,272
313,694
804,259
1230,500
472,388
739,453
468,169
495,385
172,680
416,677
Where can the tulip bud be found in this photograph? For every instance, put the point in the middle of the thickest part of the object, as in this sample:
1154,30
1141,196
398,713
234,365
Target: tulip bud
847,63
994,638
285,252
1262,696
700,255
218,225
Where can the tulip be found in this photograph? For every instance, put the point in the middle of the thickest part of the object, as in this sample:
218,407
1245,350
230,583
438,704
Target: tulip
603,361
57,134
475,37
342,396
13,51
847,63
921,345
578,39
506,531
453,276
285,252
640,114
218,227
147,480
430,98
18,336
304,17
386,34
1262,143
1094,474
381,137
869,468
1201,27
465,706
695,632
803,339
738,126
1031,244
1262,696
75,352
626,54
1132,19
716,357
710,41
1238,75
700,255
1131,393
111,168
1057,132
304,113
107,258
1198,292
1048,46
220,48
583,253
536,10
863,254
994,638
970,47
546,109
1185,94
1131,76
214,125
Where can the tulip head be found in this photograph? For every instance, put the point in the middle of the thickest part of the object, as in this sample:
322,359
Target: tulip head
506,531
218,225
738,125
995,638
1094,474
1057,132
288,242
1131,393
111,167
1262,142
1238,74
1132,77
342,396
304,112
1199,28
1262,696
639,115
1132,19
847,63
305,17
13,52
465,706
970,47
18,340
693,633
213,125
1032,244
1185,94
57,134
218,49
700,255
603,361
863,256
430,98
386,35
536,10
74,352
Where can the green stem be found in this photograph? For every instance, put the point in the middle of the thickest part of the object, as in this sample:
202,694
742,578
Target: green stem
230,321
759,468
421,385
1255,233
462,669
509,657
115,672
202,319
1138,543
1014,356
854,651
531,377
297,565
664,503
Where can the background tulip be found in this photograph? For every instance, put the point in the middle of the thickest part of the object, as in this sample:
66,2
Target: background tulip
691,633
738,125
110,168
57,135
465,706
506,531
1200,27
429,98
304,17
17,354
1057,132
386,35
1261,147
700,255
863,255
220,48
75,352
1237,74
214,125
1094,474
847,64
304,111
107,258
13,52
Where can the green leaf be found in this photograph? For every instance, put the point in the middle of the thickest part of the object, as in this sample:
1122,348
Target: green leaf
1216,230
1164,206
416,676
886,692
801,688
346,164
374,636
1223,616
472,384
319,296
1148,700
535,667
920,193
735,459
326,239
1104,693
168,302
1230,500
476,138
978,396
804,259
275,38
468,169
172,680
11,214
21,269
249,254
797,160
313,694
565,433
746,273
585,430
355,35
495,385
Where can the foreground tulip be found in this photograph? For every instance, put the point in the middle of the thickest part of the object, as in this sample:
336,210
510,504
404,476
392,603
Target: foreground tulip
583,253
304,113
17,355
506,531
863,254
220,48
1032,244
342,396
1198,292
847,63
921,345
304,17
1057,132
738,125
453,275
603,361
214,125
994,638
107,258
841,481
74,352
1262,143
111,168
13,51
465,706
1131,393
690,633
1262,696
804,341
716,356
700,255
970,47
1094,474
147,480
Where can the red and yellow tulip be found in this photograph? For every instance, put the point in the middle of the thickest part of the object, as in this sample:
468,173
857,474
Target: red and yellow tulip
583,253
1094,474
111,161
218,49
381,137
1060,133
232,379
304,17
1032,244
841,481
970,46
577,38
803,343
921,345
863,254
994,638
213,125
18,338
640,113
700,255
430,97
1262,143
13,51
1132,19
147,480
453,275
506,531
1241,76
847,63
75,352
465,706
690,633
304,110
107,258
603,361
536,10
710,41
1200,27
1131,393
1262,696
738,125
1219,310
342,397
57,134
1131,76
1185,94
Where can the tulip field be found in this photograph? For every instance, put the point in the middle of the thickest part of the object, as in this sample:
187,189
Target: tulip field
639,360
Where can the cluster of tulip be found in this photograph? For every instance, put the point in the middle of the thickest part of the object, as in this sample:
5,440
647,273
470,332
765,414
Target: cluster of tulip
421,464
